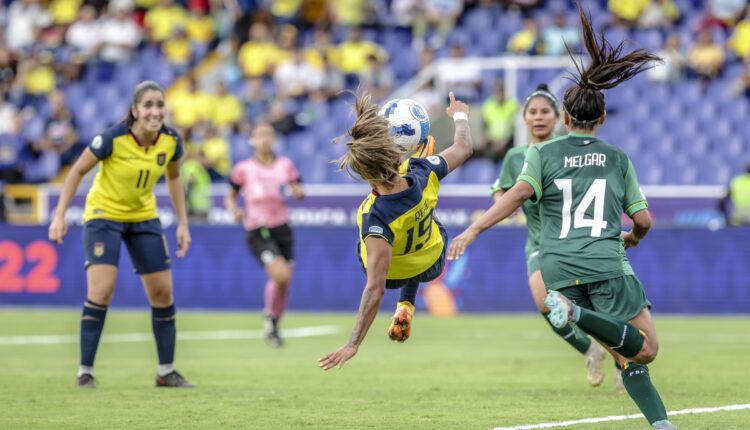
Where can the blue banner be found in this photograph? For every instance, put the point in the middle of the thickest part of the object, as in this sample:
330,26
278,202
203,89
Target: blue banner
683,271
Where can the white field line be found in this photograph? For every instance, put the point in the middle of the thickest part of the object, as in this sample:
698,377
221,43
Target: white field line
623,417
181,335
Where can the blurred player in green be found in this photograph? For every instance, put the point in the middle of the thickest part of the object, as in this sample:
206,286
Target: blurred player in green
582,185
540,113
401,243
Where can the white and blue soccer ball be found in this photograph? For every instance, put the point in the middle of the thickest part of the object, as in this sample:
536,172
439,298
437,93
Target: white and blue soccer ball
409,122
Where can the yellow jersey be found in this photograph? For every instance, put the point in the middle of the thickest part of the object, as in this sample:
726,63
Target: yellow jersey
406,220
122,189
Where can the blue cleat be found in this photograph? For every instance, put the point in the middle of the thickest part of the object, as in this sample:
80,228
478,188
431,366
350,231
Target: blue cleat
560,309
663,425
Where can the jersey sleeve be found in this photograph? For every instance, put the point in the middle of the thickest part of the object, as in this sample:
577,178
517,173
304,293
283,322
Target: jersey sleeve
635,201
178,149
437,164
372,225
101,146
505,179
532,172
236,178
292,174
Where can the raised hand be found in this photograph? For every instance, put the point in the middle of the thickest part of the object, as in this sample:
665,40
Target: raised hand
456,106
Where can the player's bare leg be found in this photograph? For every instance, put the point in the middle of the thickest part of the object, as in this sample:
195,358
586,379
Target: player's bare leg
158,286
276,298
100,280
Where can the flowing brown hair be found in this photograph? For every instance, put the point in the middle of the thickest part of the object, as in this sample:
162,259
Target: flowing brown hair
371,152
608,68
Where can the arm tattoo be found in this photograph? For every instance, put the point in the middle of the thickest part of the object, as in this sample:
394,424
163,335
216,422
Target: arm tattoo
368,309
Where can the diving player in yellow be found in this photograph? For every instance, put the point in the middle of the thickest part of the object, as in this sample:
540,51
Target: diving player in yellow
401,243
121,207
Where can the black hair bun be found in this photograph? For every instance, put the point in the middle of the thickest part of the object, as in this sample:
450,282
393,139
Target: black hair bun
542,87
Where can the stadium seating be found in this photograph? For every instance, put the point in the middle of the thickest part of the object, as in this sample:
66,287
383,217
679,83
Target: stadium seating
676,133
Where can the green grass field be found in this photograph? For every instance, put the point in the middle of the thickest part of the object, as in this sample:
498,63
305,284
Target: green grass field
470,372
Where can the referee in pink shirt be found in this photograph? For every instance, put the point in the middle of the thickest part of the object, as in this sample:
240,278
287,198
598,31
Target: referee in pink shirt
260,180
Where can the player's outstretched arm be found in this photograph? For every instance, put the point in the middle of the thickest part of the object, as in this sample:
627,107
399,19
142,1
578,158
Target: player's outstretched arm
641,226
58,228
177,194
378,261
462,147
501,209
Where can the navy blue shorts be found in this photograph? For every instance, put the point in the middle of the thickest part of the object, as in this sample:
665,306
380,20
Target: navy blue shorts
145,241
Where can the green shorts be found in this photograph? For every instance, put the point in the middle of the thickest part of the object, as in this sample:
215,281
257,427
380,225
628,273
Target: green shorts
532,263
621,297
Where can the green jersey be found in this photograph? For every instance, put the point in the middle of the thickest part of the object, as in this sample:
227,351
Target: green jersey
512,166
582,185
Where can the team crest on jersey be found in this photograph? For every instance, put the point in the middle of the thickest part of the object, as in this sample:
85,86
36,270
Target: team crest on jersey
98,249
161,158
434,159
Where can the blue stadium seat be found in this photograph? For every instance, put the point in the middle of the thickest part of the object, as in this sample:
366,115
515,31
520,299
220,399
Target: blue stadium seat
479,171
10,150
33,128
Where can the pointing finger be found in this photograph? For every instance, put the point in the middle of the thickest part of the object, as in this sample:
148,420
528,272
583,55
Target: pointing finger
451,97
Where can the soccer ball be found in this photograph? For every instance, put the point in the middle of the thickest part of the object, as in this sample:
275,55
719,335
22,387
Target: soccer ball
409,122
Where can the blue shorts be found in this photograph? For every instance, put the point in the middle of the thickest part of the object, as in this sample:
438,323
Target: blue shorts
428,275
145,241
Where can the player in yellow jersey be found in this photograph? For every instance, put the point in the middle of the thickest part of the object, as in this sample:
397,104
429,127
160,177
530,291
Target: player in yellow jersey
121,207
401,243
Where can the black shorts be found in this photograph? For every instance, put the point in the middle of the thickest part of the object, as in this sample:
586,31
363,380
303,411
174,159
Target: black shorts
145,241
268,243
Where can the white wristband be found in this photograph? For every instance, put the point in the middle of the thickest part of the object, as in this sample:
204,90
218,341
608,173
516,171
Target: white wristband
460,115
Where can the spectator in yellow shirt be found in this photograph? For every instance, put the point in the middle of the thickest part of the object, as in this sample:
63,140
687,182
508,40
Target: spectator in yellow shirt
227,109
217,153
706,58
524,40
161,21
739,43
189,105
355,52
259,55
200,27
64,12
627,11
178,50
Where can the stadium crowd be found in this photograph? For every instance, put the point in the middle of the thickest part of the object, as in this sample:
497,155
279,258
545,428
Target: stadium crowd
67,66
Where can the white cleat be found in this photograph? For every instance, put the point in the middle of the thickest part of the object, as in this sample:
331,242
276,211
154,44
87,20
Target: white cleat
559,309
595,363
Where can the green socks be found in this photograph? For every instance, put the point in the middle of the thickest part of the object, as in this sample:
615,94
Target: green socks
573,335
621,336
637,382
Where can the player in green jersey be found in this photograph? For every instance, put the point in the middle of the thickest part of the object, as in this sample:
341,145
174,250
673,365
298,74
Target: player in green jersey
401,243
541,113
582,185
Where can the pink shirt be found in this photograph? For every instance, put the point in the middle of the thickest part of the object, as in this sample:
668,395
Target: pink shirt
262,188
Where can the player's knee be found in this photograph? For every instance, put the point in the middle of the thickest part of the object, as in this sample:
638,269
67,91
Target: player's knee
101,294
648,353
160,297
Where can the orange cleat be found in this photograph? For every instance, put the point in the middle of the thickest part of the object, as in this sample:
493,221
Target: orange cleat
400,328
